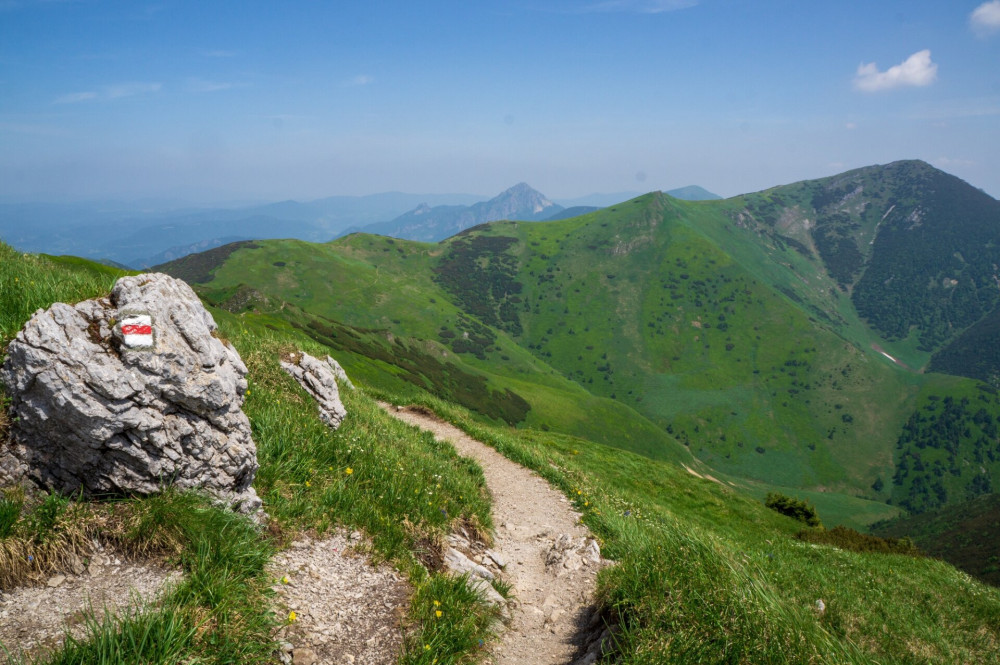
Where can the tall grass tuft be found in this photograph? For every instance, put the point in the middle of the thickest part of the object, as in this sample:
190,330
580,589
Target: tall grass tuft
29,282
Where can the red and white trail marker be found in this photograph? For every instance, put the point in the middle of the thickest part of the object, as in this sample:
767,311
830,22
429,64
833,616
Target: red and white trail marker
137,330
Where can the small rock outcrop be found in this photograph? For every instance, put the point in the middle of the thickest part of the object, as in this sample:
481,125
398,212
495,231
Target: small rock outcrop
319,379
127,394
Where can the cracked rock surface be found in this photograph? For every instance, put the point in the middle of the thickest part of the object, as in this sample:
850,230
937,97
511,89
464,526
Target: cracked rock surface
92,413
319,379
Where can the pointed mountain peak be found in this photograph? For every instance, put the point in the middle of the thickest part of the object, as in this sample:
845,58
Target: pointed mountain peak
520,200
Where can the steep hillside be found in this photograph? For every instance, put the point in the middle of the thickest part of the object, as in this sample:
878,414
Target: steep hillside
705,573
916,249
964,534
375,298
728,326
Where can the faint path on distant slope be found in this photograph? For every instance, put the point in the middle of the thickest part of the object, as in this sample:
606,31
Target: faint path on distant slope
554,601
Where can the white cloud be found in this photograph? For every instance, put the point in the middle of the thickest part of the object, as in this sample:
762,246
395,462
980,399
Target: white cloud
117,91
917,70
640,6
851,125
985,19
361,79
75,97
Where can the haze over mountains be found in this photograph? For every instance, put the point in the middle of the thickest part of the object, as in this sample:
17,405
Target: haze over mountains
147,233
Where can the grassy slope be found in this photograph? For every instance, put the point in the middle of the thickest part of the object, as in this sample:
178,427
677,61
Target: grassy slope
705,573
403,488
384,284
652,321
963,534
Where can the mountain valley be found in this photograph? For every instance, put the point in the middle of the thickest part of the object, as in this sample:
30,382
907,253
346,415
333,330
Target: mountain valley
748,334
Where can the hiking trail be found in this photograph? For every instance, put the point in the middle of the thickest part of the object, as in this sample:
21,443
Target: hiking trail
551,559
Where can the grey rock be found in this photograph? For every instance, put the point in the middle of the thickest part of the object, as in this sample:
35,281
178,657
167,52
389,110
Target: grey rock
591,551
497,558
55,581
486,590
96,411
460,564
304,656
319,379
339,373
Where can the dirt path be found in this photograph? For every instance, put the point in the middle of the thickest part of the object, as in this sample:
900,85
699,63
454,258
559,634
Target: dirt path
551,560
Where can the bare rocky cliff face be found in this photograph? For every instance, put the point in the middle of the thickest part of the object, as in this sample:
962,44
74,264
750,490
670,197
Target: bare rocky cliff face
128,394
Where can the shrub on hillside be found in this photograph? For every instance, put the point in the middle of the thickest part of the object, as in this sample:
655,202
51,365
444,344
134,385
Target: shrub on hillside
794,508
855,541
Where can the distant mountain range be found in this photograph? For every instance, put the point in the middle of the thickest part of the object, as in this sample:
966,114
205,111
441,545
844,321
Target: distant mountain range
519,203
145,234
428,224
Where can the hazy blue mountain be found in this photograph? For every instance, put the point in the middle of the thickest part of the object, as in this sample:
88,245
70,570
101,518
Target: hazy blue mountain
693,193
147,232
430,224
689,193
598,200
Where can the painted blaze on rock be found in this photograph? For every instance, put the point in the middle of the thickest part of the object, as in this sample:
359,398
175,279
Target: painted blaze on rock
114,409
137,330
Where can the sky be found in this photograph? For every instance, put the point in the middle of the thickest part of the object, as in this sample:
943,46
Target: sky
261,101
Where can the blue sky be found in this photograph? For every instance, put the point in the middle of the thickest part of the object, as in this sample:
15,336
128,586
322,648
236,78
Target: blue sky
212,101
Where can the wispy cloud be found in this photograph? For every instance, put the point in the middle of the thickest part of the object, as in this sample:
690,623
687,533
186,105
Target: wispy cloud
76,97
361,79
950,162
639,6
116,91
219,53
985,19
131,89
34,129
916,71
958,108
202,85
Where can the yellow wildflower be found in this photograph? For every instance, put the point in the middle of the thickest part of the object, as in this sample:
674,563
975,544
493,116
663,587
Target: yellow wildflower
437,613
284,579
349,471
291,617
437,603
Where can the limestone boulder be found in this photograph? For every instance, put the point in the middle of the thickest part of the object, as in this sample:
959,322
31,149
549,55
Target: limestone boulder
127,394
319,379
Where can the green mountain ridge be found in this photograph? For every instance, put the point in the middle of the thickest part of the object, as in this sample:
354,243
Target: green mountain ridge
705,572
730,328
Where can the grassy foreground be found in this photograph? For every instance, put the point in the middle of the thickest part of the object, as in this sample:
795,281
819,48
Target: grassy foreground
704,573
404,489
708,575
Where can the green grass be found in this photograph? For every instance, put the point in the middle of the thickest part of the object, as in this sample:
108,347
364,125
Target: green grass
404,489
215,615
31,281
706,574
652,323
